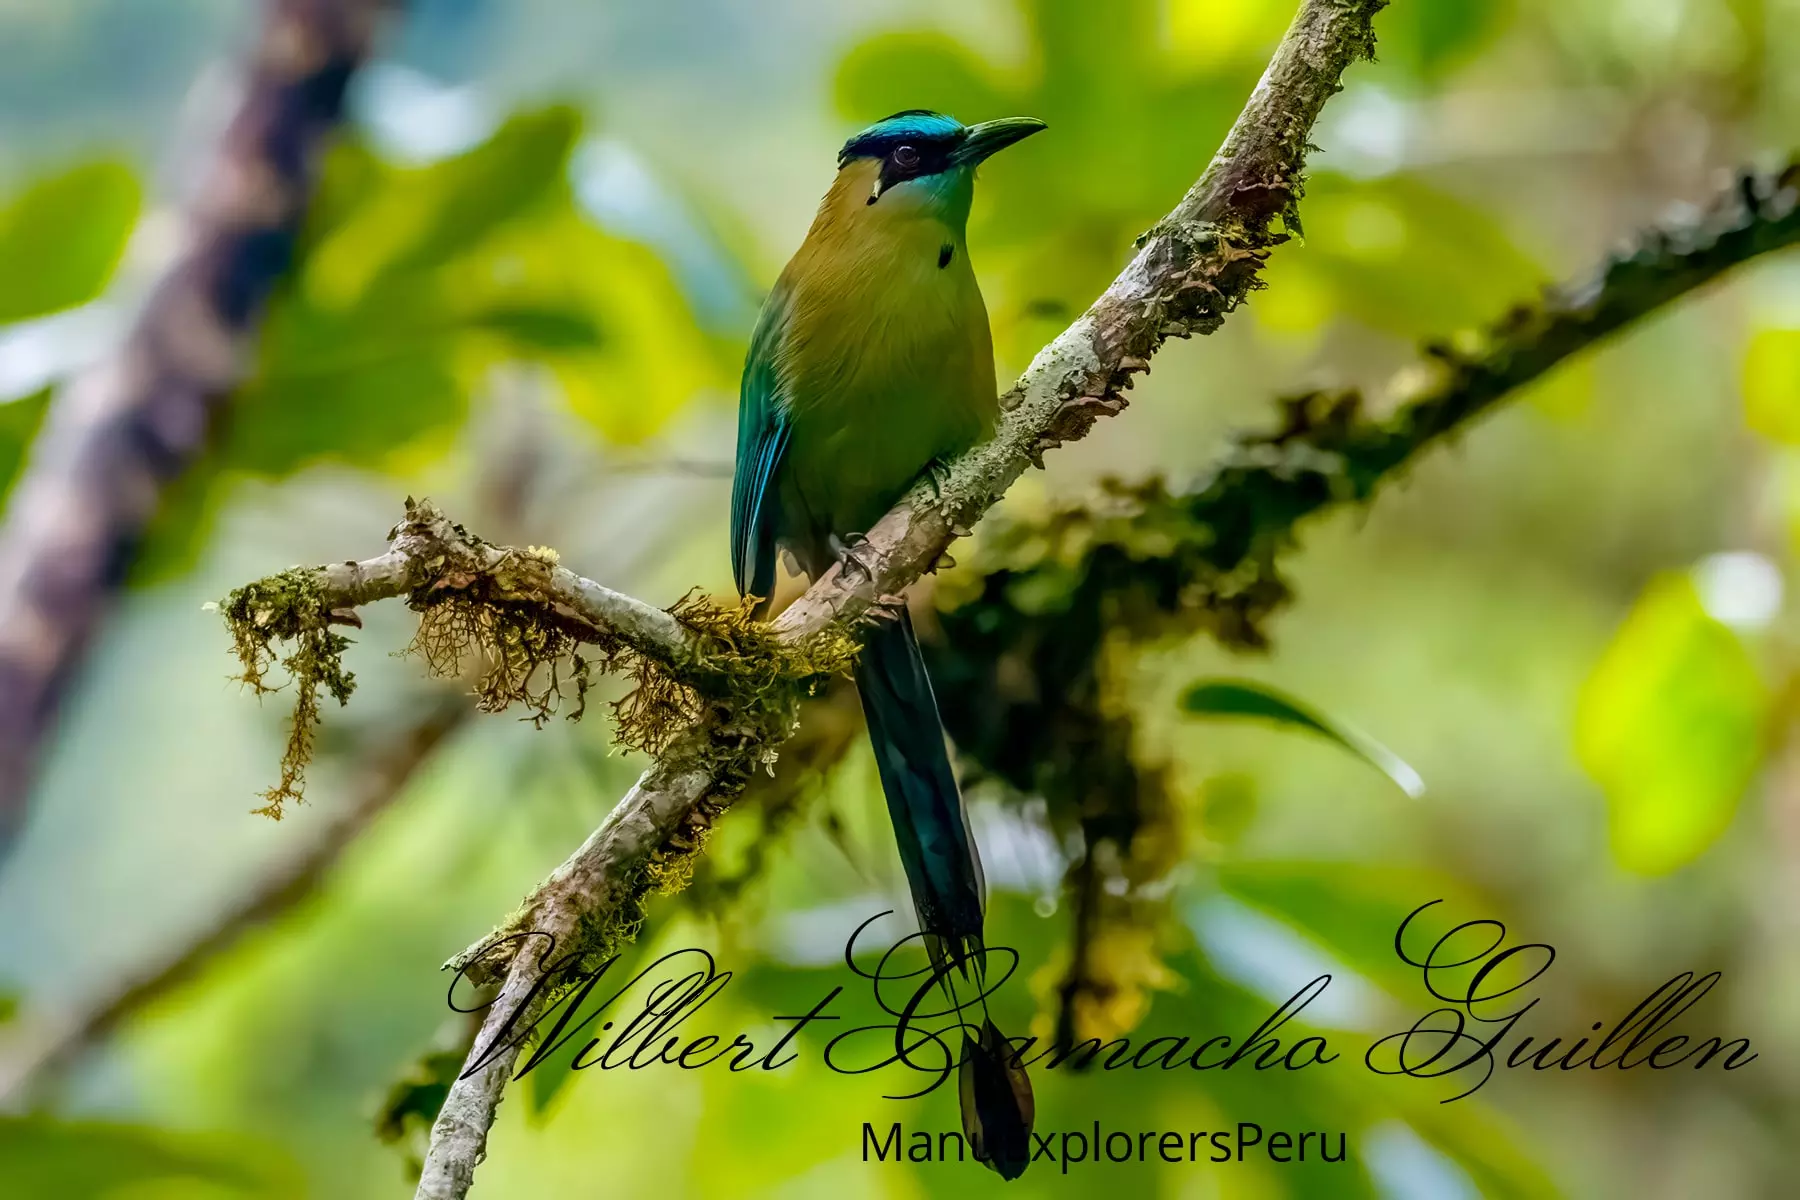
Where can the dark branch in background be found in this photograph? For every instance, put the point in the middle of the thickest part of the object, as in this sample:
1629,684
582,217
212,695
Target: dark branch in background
1021,659
116,438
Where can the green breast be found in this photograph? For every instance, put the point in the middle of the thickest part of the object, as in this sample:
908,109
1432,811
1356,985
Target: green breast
886,364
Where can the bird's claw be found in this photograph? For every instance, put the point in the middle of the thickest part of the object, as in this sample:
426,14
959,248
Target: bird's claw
887,608
937,474
849,553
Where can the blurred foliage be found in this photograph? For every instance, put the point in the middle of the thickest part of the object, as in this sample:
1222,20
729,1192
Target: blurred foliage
1671,724
19,421
1423,42
1398,255
1063,647
413,284
1352,909
61,237
1772,385
46,1159
1394,252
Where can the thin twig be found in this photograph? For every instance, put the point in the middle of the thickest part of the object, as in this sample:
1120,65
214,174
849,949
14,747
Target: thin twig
35,1048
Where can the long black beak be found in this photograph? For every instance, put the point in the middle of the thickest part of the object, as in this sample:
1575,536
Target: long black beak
991,137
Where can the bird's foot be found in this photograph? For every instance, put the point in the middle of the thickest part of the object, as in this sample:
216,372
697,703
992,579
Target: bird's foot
937,474
887,608
850,550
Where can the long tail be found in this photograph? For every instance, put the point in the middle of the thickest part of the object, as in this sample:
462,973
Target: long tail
943,873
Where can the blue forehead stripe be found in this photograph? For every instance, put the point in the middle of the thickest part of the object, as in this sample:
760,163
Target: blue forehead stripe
913,125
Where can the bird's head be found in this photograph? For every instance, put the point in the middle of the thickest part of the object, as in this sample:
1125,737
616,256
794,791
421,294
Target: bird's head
926,154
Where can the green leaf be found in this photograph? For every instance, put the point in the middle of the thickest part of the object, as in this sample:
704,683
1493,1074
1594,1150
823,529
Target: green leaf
1241,698
62,237
412,1101
423,218
19,420
1670,725
895,71
540,328
359,410
46,1159
1772,385
1397,254
1428,40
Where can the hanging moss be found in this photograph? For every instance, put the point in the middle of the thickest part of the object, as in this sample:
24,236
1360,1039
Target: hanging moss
528,657
289,609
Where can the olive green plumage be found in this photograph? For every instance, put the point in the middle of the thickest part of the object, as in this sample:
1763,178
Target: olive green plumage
871,361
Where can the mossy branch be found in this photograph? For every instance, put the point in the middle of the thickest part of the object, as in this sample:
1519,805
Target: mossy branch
1339,447
1145,559
528,620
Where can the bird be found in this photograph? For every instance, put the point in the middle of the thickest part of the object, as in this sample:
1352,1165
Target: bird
871,365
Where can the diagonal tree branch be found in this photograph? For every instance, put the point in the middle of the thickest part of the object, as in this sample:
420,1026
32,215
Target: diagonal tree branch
33,1049
119,435
1190,271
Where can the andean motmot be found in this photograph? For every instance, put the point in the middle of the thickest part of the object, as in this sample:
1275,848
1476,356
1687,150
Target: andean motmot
871,364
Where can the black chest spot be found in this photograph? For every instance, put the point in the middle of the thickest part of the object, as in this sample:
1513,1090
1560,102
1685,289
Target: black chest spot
947,253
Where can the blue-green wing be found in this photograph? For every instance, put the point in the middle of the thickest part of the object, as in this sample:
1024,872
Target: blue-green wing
763,432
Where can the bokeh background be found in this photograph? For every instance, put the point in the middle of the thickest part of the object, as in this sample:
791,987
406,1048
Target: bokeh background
525,292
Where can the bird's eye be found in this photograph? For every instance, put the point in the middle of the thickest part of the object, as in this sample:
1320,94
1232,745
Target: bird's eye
906,156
